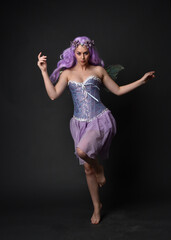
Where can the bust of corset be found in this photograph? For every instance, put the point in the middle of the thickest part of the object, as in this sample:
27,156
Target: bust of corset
86,98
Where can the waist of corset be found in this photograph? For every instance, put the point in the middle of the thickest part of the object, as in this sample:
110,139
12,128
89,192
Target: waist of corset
90,119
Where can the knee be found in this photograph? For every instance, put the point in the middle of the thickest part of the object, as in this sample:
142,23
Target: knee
80,153
88,169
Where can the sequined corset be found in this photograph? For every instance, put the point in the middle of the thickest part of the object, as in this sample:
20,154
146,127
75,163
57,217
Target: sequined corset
86,98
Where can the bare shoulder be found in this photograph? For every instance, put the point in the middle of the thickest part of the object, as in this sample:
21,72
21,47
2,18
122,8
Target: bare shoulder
65,73
68,73
64,76
100,71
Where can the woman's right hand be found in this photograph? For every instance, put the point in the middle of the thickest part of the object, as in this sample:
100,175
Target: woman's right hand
42,64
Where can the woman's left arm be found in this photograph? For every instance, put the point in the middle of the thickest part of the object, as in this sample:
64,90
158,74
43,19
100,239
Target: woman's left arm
120,90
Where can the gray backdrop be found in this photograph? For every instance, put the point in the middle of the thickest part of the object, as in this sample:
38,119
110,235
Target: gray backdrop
38,164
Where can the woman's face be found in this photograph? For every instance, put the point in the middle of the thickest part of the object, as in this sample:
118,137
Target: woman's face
82,55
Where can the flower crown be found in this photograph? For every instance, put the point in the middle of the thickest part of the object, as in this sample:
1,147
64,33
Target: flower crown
87,43
75,44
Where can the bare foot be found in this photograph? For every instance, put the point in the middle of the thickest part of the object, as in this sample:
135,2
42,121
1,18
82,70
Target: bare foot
95,219
101,180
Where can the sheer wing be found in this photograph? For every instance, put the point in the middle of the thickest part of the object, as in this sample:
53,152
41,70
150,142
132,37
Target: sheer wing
113,71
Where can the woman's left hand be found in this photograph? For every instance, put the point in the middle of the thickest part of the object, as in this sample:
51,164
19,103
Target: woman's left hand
148,76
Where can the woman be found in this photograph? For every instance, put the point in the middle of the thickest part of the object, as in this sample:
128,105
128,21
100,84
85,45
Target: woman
92,125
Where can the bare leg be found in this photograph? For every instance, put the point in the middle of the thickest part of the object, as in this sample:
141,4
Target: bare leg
98,168
94,192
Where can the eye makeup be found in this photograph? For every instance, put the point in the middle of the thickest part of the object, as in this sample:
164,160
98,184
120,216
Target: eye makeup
79,53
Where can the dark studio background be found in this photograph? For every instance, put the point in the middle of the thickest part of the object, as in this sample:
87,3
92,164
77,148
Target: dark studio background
38,165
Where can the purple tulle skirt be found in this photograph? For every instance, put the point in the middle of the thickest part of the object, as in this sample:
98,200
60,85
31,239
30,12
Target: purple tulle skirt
94,137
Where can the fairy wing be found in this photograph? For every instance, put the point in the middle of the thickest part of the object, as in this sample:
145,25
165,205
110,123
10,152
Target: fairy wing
113,71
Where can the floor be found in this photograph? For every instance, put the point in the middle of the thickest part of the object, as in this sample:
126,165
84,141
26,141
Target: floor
134,222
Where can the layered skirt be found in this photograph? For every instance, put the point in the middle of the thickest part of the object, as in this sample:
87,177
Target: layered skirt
94,137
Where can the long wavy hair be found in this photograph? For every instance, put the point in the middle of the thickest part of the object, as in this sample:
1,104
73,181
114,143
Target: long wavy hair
68,59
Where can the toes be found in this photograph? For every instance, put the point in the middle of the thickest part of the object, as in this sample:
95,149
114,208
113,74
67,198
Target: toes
94,221
101,184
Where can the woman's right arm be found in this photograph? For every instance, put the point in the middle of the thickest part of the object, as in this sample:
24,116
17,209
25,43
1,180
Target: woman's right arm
52,91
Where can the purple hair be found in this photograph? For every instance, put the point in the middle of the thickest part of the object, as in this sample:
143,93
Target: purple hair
68,59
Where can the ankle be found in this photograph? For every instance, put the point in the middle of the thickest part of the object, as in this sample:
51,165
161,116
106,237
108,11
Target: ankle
97,205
